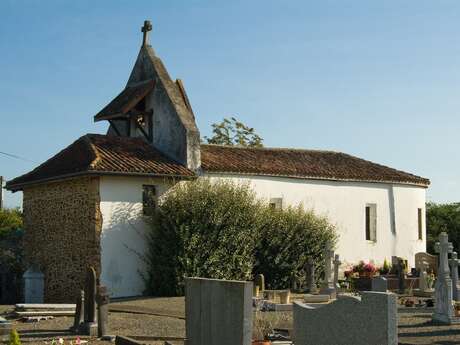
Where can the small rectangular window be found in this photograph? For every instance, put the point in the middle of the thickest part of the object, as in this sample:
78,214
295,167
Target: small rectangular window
420,223
276,203
371,222
148,199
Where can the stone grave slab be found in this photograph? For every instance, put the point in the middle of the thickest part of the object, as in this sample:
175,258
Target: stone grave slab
308,298
218,312
341,321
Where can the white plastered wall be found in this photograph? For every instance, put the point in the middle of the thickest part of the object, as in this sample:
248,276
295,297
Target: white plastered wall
123,240
343,203
123,228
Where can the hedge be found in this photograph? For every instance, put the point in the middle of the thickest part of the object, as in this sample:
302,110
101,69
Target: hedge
219,229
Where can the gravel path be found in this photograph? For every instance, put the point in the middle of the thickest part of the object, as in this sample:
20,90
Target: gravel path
414,324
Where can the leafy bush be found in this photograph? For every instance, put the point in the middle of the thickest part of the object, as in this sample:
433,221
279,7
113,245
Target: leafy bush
202,229
220,230
287,239
11,253
442,217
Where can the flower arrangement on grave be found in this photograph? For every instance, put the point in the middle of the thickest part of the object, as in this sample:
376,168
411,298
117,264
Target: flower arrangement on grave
363,269
349,273
369,269
430,278
386,268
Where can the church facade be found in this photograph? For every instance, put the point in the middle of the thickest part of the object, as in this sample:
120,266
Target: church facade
87,204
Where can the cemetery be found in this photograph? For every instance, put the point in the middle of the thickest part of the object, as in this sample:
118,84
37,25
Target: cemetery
149,235
329,309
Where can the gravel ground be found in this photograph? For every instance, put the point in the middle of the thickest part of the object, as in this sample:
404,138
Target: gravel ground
414,324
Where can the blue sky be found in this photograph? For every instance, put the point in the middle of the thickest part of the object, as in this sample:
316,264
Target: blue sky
376,79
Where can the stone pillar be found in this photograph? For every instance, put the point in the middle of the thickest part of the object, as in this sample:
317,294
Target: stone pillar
90,325
454,274
310,276
103,301
79,312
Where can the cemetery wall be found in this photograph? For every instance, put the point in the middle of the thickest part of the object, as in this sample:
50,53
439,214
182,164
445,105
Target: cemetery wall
344,204
62,222
123,240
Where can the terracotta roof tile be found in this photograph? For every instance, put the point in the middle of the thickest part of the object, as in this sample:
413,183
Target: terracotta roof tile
102,154
314,164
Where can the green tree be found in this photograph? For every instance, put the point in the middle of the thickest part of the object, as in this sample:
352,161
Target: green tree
10,219
232,132
11,250
442,217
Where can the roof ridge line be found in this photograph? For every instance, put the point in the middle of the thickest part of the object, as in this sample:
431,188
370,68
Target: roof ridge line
271,148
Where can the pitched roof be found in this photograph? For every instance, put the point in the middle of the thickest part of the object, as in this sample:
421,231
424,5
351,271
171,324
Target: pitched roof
125,101
311,164
102,154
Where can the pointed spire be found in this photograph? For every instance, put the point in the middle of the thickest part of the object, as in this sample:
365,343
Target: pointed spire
145,29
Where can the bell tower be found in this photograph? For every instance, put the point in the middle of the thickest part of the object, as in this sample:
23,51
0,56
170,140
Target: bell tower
156,108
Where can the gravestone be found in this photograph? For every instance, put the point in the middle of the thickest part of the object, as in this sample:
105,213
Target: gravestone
453,262
103,301
327,287
427,261
424,290
337,264
90,324
348,320
259,280
218,312
444,310
34,285
400,269
379,284
310,276
79,311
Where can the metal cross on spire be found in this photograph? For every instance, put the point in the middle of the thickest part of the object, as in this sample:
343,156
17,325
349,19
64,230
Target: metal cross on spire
145,29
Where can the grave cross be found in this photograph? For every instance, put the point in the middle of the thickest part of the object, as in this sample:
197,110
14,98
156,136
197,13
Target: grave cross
454,267
337,264
443,247
145,29
329,256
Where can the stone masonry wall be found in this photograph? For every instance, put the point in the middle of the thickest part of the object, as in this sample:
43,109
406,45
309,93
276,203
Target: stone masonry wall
63,223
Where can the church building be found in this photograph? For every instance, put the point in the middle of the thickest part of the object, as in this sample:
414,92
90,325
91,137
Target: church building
87,204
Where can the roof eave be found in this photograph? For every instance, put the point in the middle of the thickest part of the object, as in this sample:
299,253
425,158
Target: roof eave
300,177
20,186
